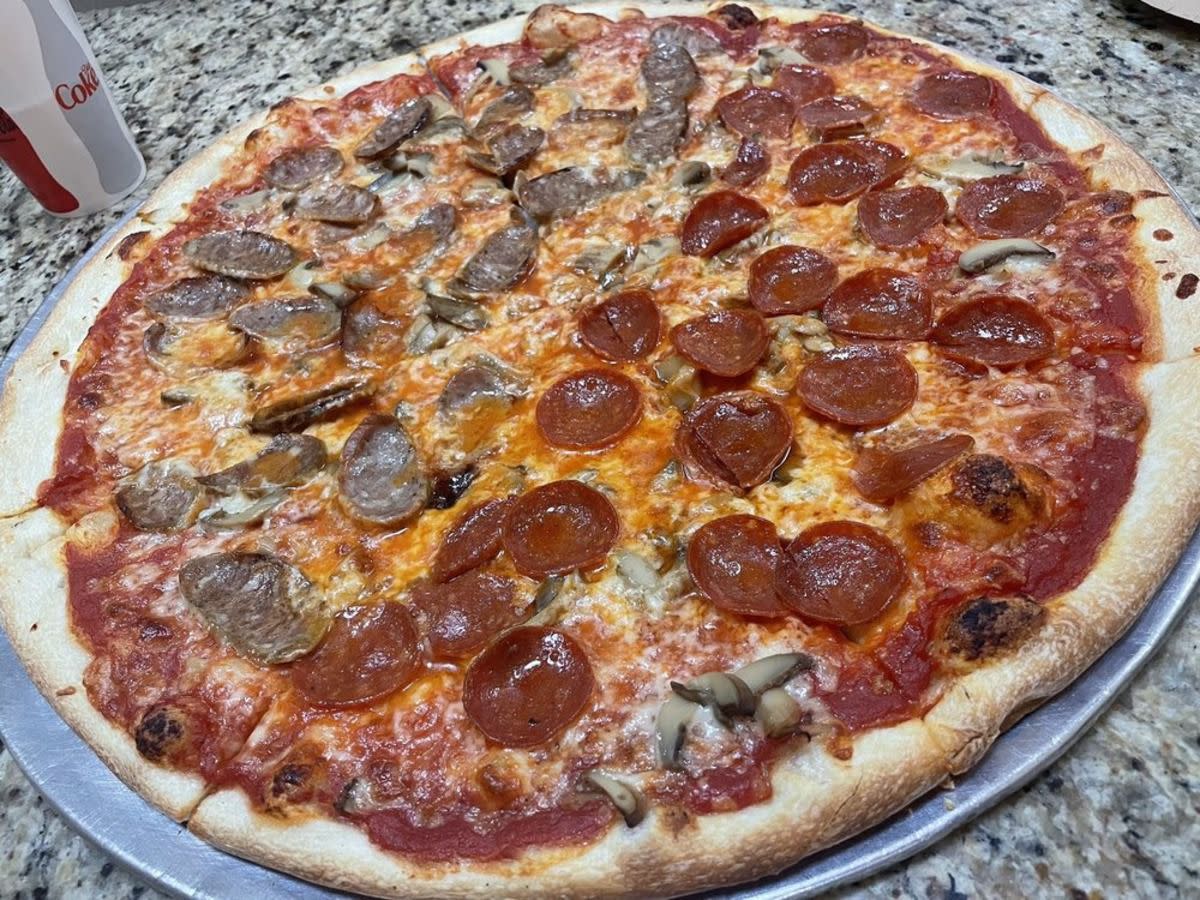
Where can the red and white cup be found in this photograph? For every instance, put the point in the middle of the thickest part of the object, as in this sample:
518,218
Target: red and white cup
60,131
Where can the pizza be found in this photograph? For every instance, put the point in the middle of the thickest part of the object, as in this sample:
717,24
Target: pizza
615,452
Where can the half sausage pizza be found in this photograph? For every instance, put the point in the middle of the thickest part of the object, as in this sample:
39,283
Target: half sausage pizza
616,452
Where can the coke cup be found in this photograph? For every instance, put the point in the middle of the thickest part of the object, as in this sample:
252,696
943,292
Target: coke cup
60,131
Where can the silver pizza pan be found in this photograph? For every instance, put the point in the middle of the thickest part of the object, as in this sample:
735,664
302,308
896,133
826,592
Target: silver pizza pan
165,855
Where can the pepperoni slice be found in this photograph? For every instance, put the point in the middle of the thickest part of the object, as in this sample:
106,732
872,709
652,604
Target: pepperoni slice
720,220
736,439
891,159
788,280
368,652
899,217
841,573
471,541
995,330
879,303
462,614
753,111
1008,206
802,84
861,386
559,527
729,342
528,686
831,173
834,43
952,95
881,475
749,164
828,118
624,328
589,410
733,562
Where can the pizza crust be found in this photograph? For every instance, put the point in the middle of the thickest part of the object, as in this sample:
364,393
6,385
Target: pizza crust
33,611
835,799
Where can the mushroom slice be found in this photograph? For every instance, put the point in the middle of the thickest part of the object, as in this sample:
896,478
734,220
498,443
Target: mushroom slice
409,118
966,168
773,671
241,254
779,714
983,256
296,322
629,801
204,345
426,334
466,315
476,384
287,461
692,175
496,69
298,412
342,204
266,609
671,730
160,496
547,592
240,510
342,295
382,480
602,261
637,570
771,58
654,251
358,797
726,695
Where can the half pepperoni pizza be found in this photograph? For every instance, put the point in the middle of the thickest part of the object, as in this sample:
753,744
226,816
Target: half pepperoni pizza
612,453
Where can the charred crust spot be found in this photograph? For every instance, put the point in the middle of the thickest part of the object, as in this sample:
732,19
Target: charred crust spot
675,818
986,627
129,243
290,780
1187,285
990,484
161,732
1163,234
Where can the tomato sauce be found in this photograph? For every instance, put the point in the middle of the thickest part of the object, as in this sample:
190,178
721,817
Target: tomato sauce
461,834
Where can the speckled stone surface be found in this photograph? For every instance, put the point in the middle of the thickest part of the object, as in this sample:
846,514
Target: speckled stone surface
1119,815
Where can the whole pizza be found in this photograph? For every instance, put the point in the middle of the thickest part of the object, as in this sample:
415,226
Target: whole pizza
617,452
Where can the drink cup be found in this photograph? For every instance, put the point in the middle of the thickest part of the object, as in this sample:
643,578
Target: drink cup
60,132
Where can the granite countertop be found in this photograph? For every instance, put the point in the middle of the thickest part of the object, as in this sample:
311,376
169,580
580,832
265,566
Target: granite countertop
1120,813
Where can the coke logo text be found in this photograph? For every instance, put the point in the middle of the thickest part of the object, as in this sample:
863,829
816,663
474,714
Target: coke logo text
71,95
